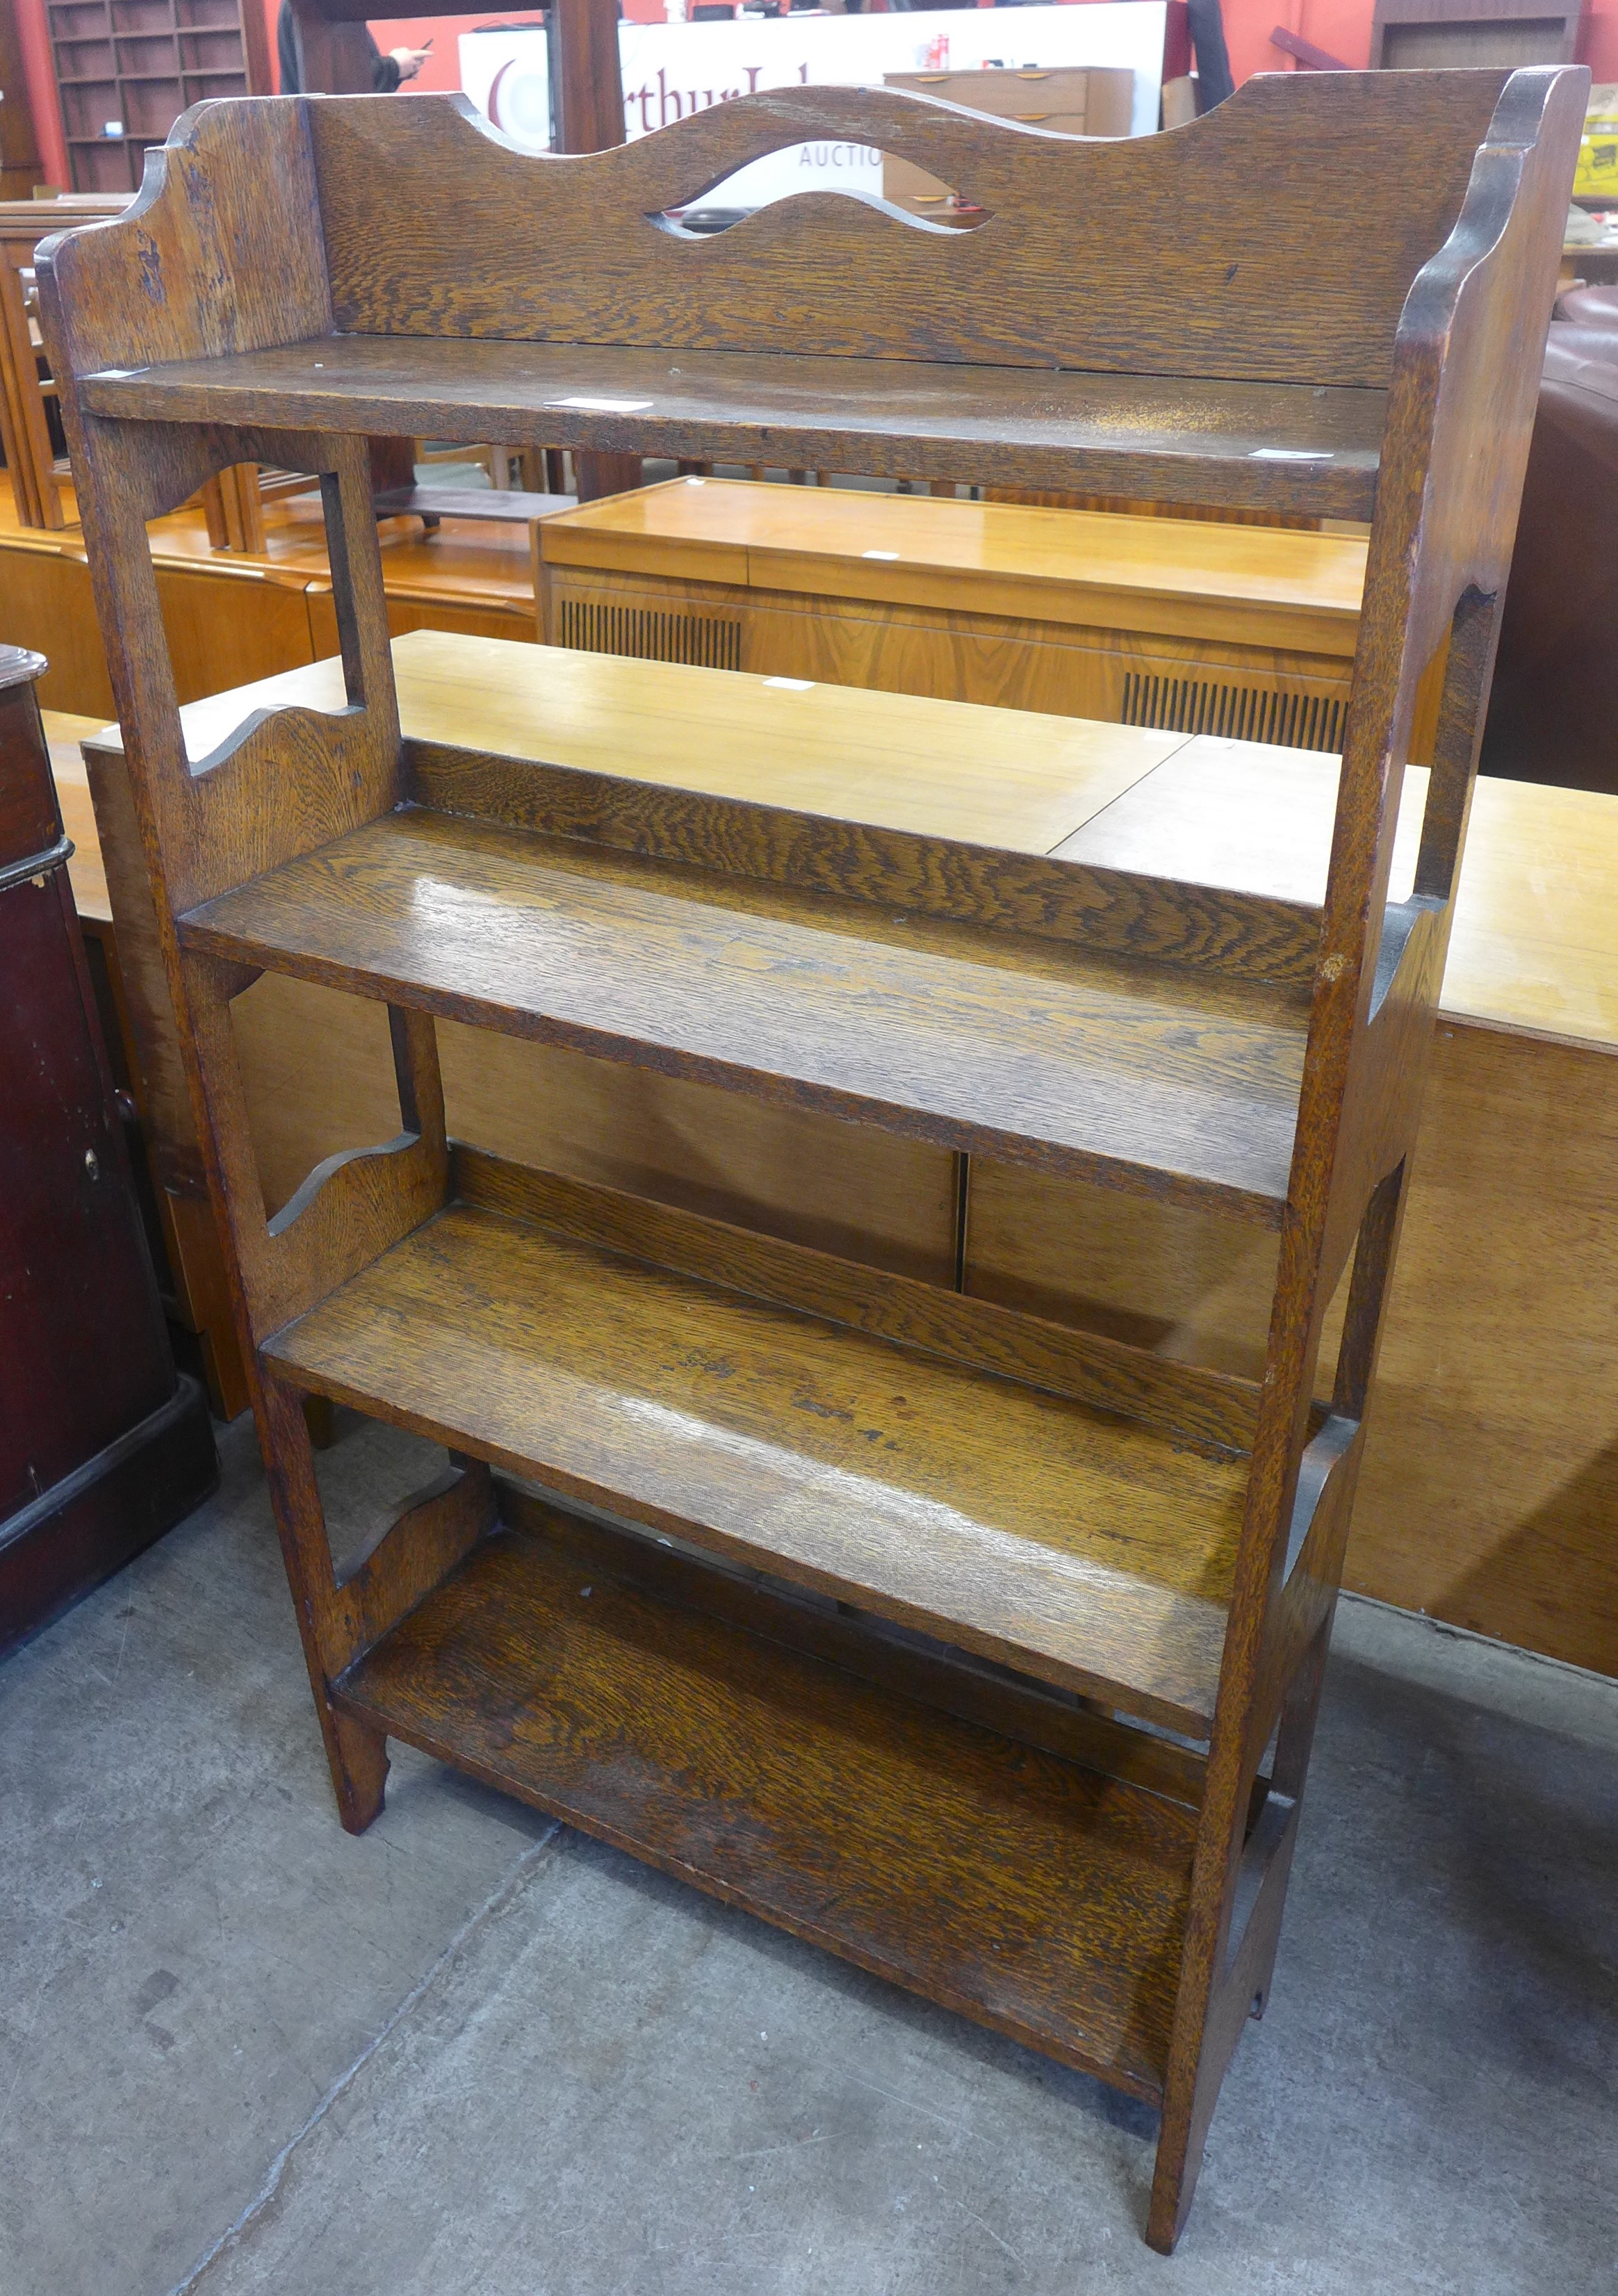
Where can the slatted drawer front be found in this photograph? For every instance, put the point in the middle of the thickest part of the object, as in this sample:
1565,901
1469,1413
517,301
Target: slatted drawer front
706,641
1242,713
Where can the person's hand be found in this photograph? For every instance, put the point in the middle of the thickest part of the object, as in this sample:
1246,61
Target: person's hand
409,60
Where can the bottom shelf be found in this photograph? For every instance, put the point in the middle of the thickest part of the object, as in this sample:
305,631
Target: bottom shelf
1002,1880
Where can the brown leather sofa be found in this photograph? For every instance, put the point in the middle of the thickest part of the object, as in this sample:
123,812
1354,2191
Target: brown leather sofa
1553,714
1591,307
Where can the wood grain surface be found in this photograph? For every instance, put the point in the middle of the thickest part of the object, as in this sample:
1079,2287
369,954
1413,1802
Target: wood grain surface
1517,1546
1243,286
1209,1408
891,417
949,653
1535,944
1017,784
1243,816
1252,585
87,872
1028,1893
1490,1479
1151,1077
1084,1548
1489,1486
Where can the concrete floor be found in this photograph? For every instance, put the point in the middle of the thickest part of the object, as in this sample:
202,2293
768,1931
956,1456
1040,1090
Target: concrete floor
475,2055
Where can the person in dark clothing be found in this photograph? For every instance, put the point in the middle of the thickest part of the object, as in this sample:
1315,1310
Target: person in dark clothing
387,71
1207,30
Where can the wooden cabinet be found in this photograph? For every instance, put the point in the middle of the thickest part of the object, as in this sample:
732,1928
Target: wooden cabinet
126,70
101,1445
33,465
1191,625
1062,100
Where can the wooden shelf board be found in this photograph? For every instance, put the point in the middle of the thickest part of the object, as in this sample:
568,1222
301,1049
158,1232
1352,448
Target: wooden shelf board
1089,1550
1016,426
1166,1080
1036,1897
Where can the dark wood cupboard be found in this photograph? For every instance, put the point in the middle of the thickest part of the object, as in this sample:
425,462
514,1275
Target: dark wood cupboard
104,1446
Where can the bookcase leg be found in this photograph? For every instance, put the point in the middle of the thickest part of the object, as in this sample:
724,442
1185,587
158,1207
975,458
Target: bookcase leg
357,1755
1179,2143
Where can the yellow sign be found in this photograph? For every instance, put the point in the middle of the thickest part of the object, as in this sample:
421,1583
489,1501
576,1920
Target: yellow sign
1597,175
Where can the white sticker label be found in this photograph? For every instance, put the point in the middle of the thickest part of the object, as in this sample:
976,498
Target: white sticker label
1291,454
607,405
792,684
889,554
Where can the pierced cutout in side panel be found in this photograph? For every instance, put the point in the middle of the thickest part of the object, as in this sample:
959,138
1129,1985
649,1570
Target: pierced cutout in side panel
368,1475
856,171
242,639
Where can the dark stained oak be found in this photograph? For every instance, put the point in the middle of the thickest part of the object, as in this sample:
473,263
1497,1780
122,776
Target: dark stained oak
1247,282
1084,1548
996,425
1200,1406
733,813
1159,1079
1032,1895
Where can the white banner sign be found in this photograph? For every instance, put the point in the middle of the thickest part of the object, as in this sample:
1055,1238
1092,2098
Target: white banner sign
670,71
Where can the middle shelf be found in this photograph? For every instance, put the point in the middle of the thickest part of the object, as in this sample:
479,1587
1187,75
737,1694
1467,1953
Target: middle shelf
1092,1550
1177,1081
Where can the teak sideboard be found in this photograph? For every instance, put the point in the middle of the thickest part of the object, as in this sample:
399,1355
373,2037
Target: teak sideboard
1244,631
982,1651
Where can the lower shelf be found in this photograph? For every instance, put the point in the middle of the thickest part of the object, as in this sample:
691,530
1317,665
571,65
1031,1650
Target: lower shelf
1039,1898
1092,1551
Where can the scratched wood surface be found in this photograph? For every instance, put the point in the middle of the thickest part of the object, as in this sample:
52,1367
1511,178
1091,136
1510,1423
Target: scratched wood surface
1211,1407
1018,1523
1009,426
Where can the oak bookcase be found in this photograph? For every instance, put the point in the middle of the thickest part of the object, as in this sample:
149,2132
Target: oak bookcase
982,1651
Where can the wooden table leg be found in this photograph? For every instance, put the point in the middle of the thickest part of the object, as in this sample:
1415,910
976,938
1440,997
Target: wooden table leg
27,437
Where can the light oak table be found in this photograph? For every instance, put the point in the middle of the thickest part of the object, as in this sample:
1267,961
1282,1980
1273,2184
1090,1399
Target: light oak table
1490,1482
1191,624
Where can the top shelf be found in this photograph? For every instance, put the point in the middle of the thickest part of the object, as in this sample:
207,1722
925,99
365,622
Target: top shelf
1302,448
